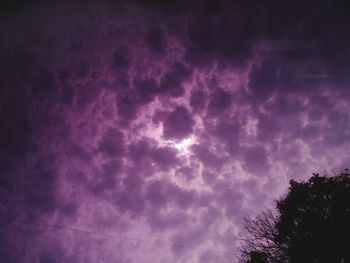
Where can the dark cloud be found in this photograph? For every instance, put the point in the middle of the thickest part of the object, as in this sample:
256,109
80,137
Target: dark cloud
206,156
207,43
186,171
40,189
67,94
228,133
169,6
233,202
337,133
107,179
112,143
120,59
164,158
127,105
268,127
155,40
17,129
185,239
147,89
286,106
209,177
130,101
49,257
160,193
156,194
77,151
177,124
15,133
263,80
220,101
310,132
70,209
198,100
172,82
129,197
184,199
162,221
139,152
87,95
209,216
256,161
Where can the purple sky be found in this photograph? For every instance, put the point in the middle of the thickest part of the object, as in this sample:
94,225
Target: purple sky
147,132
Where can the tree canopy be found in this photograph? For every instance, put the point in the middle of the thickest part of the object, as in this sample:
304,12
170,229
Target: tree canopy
311,224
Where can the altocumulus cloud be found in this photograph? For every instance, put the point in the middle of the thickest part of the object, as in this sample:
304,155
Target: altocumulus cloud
144,131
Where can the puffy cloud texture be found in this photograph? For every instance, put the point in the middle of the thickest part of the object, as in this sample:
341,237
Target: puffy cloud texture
145,131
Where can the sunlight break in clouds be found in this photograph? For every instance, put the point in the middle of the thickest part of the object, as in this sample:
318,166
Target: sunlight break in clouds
183,146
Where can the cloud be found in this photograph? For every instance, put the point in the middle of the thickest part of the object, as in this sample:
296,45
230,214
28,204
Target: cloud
228,133
256,160
177,124
147,90
220,101
112,143
95,99
120,58
164,158
263,80
155,40
40,194
171,83
206,156
198,100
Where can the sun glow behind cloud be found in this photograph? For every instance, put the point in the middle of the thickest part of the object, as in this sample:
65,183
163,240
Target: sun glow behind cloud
182,146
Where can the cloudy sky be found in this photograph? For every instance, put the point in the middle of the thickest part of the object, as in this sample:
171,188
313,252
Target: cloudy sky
146,131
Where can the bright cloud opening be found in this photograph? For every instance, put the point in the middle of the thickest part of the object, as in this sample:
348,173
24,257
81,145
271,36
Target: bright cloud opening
183,146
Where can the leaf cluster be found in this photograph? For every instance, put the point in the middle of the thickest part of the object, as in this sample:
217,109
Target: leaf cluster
311,224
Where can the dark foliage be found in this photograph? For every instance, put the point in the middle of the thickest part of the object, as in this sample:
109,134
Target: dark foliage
311,224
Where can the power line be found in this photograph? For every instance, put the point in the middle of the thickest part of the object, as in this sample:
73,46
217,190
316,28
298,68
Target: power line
88,232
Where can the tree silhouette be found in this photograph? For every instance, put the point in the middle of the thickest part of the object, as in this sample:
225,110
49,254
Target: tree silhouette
311,224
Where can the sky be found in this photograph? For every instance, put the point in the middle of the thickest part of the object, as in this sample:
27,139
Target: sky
146,131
